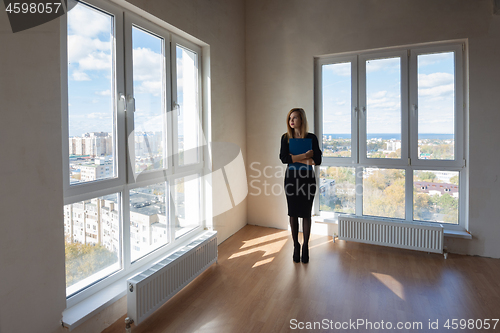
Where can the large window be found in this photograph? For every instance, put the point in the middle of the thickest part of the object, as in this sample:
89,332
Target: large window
133,163
392,127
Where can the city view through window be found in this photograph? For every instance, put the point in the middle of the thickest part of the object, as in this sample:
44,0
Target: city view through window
435,192
159,213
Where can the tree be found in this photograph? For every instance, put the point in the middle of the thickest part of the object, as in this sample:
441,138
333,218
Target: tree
426,176
83,260
454,180
384,193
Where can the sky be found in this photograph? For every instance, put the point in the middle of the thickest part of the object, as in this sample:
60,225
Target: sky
90,86
90,72
435,90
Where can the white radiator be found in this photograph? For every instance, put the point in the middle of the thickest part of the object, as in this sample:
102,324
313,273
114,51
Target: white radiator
149,290
414,236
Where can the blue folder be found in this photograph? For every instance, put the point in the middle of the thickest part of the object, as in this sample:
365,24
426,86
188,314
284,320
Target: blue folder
297,147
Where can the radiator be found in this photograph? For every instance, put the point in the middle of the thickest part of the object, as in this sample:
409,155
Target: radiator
150,289
414,236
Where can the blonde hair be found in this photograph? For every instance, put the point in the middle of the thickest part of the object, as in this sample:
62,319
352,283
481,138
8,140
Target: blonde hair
303,128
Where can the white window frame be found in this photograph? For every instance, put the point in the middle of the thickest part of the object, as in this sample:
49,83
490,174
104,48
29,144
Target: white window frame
176,40
363,159
409,122
119,140
126,180
352,59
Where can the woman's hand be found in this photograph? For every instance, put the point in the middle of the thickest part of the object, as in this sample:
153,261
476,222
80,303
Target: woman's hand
308,161
299,158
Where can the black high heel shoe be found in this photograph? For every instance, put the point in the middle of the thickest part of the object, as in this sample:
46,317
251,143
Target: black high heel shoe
296,253
305,254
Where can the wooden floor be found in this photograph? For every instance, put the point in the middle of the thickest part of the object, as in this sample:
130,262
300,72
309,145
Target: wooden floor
256,287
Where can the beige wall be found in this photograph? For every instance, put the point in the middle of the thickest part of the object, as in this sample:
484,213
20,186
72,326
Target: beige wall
32,288
283,36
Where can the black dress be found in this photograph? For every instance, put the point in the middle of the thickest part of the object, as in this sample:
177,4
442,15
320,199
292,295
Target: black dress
300,184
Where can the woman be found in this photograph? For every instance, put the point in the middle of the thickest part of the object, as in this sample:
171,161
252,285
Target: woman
300,183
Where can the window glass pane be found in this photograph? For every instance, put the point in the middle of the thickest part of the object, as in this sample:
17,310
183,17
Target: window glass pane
187,204
337,189
91,95
148,69
188,99
148,219
336,87
92,240
435,196
436,106
384,192
383,108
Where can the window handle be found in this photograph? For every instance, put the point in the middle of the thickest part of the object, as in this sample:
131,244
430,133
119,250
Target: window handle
131,99
178,107
123,99
414,109
356,111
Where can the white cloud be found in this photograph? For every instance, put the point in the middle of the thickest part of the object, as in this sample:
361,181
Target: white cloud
439,91
103,93
383,64
149,87
341,69
79,47
434,80
80,17
379,94
430,59
80,76
96,61
98,115
147,65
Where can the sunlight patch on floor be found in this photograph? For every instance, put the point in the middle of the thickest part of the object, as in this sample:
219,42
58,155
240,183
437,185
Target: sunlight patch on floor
320,244
394,285
264,239
268,249
263,262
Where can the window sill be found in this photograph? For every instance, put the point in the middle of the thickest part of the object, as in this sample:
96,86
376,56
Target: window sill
457,234
321,219
80,312
448,233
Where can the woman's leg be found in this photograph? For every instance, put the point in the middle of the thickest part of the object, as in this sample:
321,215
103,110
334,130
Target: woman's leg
306,228
294,226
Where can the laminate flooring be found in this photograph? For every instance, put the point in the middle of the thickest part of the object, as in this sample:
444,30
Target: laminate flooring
256,287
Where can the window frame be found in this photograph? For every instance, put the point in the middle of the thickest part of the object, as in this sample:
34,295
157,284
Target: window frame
126,180
120,155
409,122
176,40
352,59
363,158
132,20
458,50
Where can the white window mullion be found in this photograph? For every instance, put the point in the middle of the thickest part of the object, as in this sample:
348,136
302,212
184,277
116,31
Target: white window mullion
126,94
362,101
359,191
125,229
175,107
409,194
